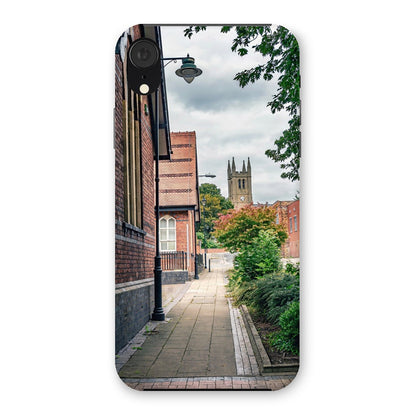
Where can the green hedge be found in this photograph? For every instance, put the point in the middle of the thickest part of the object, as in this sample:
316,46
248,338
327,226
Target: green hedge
287,339
275,297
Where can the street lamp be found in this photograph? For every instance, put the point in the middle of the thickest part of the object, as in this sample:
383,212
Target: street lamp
188,71
204,201
206,175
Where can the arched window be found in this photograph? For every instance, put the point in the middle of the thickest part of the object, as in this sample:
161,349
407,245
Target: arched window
167,233
239,184
244,184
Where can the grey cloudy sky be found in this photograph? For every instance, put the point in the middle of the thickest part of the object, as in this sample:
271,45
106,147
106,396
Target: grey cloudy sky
228,120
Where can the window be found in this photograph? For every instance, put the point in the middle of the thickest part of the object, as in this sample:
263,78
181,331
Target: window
244,184
132,179
167,234
290,224
295,219
239,184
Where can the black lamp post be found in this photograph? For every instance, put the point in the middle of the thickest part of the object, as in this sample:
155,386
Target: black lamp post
204,201
188,71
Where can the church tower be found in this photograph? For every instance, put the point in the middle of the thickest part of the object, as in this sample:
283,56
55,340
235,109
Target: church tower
239,184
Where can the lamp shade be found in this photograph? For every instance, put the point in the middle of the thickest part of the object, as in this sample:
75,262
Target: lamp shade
188,71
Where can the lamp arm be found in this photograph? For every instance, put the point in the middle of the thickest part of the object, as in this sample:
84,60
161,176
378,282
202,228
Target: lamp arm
172,60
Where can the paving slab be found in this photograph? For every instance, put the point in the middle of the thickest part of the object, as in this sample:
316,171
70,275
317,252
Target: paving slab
203,345
197,340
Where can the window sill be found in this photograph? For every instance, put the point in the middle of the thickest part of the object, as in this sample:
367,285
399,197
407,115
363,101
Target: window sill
133,228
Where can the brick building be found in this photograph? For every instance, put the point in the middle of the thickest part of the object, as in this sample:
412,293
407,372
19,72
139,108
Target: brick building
134,192
281,218
179,199
293,213
287,214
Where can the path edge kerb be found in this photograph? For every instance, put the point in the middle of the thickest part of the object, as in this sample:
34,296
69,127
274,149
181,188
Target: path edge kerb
263,360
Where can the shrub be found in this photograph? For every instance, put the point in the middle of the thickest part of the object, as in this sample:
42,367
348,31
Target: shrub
259,258
287,339
272,295
293,269
269,296
242,293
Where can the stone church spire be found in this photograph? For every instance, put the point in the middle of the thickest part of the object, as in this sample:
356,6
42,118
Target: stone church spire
239,184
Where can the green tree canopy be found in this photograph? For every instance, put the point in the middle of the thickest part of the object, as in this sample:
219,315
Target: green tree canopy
239,228
281,49
215,205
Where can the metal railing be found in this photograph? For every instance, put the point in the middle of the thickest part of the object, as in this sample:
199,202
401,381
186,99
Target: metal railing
173,260
200,262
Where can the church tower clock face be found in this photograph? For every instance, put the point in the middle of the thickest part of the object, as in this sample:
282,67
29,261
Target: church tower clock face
239,184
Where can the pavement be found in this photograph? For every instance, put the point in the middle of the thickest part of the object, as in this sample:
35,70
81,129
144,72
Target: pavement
202,344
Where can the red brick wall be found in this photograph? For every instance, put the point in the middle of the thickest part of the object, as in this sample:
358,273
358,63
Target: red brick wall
293,239
184,218
134,250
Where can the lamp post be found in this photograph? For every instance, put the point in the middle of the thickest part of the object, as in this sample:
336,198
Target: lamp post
188,71
204,201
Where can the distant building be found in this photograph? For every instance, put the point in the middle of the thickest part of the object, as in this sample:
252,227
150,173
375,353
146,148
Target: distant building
282,219
293,228
179,200
239,184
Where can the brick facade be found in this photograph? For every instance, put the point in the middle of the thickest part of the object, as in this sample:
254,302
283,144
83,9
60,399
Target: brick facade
135,220
293,228
282,218
185,235
135,246
179,195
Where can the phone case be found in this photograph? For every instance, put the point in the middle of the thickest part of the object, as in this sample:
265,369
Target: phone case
207,207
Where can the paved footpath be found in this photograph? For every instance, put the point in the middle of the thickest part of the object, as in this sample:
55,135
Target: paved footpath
195,347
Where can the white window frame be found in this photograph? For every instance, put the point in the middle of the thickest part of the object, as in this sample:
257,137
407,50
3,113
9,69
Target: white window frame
295,220
170,240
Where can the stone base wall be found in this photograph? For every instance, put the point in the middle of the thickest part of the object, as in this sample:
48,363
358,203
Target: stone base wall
134,305
170,277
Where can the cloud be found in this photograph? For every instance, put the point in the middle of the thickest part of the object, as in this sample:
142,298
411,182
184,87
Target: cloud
228,120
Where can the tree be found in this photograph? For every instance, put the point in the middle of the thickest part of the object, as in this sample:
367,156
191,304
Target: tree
239,228
259,258
282,50
215,205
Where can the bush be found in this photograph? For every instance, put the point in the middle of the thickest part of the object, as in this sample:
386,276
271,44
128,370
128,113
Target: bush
259,258
293,269
272,295
269,296
287,339
242,293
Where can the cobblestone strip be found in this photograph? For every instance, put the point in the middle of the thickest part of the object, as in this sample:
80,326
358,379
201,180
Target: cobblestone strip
211,383
244,356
